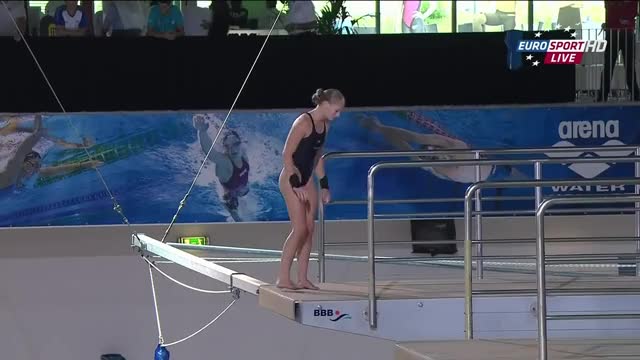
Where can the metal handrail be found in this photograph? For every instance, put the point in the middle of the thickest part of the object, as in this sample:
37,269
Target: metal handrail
506,212
541,271
471,190
482,151
477,153
486,241
417,164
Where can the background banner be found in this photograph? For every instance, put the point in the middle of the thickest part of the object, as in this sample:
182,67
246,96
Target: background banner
150,159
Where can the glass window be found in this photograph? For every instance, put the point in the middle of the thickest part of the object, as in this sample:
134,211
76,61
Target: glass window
363,15
397,17
361,12
97,5
40,4
492,16
548,15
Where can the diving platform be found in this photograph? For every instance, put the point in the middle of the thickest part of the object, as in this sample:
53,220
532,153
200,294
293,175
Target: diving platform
433,309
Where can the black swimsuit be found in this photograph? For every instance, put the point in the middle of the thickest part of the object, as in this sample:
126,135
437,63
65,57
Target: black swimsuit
305,156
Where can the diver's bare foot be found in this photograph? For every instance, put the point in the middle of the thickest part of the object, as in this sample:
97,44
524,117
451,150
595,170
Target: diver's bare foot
286,285
307,285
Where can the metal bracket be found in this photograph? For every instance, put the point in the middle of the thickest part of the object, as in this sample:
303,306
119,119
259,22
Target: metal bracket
235,292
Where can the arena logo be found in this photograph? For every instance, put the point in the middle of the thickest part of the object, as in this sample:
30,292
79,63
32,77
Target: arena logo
597,129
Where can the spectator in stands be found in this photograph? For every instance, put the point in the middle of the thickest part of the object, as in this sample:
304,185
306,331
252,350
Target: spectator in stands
619,28
71,20
239,15
18,12
302,17
123,18
165,21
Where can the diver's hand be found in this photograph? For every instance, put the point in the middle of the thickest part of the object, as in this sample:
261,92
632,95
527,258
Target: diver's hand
326,196
199,123
302,194
293,170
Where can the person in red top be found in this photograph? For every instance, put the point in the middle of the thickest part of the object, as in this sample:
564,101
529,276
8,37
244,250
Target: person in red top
620,22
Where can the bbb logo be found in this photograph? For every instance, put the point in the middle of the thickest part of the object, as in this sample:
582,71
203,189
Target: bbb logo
598,129
333,315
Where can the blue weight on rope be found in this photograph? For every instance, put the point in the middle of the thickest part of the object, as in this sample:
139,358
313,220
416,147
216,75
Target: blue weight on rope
161,353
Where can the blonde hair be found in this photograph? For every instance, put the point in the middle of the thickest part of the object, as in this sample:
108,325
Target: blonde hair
329,95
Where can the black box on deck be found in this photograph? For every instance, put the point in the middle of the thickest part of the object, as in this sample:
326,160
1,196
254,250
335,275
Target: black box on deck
434,230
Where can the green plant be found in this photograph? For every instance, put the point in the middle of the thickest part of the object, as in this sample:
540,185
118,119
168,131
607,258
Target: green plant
333,15
436,15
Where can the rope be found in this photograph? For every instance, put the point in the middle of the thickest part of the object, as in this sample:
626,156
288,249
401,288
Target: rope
116,206
184,200
204,327
155,306
183,284
157,312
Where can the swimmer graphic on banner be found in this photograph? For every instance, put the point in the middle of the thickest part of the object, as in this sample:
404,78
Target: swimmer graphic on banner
402,139
23,149
231,163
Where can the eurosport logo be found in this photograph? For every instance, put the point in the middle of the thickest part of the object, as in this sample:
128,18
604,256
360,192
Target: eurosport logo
561,52
333,315
598,129
548,50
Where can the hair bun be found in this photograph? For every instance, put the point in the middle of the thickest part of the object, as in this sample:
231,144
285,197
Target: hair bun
331,95
318,96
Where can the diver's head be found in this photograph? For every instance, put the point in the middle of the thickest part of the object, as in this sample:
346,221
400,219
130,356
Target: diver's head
232,143
31,164
330,102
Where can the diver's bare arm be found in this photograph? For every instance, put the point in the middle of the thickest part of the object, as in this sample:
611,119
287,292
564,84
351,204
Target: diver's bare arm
10,174
65,144
63,169
394,134
206,143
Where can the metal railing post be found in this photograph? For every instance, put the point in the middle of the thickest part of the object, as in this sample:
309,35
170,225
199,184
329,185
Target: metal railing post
537,168
541,281
541,263
373,314
321,240
468,265
478,207
637,214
